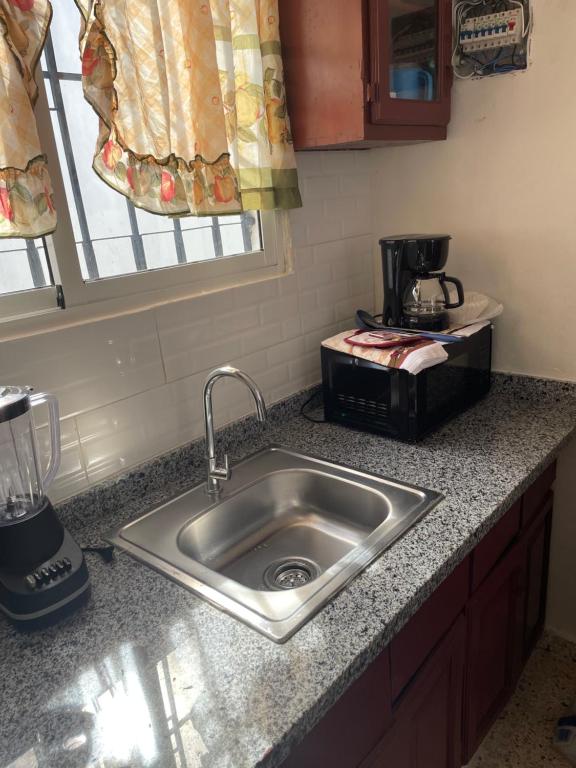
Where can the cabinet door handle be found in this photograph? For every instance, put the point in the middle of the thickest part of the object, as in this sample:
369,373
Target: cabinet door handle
372,90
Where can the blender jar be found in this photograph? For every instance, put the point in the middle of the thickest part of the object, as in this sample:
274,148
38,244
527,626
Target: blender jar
22,485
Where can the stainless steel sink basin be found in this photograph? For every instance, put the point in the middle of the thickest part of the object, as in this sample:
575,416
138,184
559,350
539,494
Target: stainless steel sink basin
285,536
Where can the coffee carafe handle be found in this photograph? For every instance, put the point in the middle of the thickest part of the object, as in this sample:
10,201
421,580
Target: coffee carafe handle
459,290
54,463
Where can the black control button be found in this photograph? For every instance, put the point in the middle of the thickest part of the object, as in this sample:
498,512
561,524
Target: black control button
53,571
67,563
38,578
31,581
45,573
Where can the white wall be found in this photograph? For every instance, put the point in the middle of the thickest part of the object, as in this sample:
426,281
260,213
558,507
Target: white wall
504,186
130,387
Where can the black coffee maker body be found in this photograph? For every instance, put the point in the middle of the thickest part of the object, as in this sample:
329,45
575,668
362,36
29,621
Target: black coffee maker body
416,291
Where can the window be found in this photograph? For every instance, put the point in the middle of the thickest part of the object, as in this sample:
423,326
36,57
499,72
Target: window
105,248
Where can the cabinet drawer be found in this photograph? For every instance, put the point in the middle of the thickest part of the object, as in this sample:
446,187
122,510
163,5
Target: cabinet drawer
494,544
536,495
410,648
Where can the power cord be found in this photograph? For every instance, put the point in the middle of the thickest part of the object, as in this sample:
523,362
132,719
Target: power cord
307,403
106,551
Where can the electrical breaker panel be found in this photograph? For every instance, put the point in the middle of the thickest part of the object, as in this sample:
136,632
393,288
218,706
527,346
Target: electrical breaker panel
494,30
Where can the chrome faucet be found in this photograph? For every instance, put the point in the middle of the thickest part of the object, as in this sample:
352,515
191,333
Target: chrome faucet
216,473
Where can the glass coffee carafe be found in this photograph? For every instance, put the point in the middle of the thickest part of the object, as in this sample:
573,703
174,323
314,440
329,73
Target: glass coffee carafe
22,483
426,299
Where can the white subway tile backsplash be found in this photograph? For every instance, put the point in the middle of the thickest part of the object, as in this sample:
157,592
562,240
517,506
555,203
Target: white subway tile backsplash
291,327
358,220
133,385
355,185
306,368
309,163
333,292
249,295
234,322
302,259
88,365
72,477
338,162
279,309
325,226
328,253
319,318
320,188
307,302
262,338
313,275
283,353
128,432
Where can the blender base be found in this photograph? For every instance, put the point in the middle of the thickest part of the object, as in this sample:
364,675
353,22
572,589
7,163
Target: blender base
40,593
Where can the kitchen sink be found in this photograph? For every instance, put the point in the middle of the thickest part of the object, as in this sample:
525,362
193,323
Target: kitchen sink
287,532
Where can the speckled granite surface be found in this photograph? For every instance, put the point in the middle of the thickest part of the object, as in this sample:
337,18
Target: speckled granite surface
149,675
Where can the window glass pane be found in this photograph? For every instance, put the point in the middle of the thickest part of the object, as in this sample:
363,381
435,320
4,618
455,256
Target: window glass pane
232,239
106,211
65,29
114,256
160,250
199,244
150,223
23,265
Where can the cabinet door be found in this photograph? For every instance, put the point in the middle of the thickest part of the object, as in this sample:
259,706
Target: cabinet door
495,646
537,543
426,727
410,61
354,725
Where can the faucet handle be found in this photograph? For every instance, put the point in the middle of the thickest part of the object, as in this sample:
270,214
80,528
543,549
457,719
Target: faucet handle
221,473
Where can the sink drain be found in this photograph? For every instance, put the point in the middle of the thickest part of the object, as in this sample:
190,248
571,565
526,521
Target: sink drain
290,573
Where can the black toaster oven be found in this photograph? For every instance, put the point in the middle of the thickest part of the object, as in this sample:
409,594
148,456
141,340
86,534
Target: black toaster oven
361,394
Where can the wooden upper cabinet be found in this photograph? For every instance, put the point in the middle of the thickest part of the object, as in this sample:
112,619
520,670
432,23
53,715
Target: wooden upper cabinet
363,73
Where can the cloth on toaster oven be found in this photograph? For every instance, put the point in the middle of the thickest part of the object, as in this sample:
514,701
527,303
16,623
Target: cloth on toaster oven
413,358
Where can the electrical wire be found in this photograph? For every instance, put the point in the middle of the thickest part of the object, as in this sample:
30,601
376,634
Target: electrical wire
304,406
479,68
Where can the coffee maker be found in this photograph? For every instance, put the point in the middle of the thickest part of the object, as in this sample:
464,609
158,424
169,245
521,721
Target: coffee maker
415,290
43,575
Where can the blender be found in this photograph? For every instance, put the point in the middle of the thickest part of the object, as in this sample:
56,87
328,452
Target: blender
43,575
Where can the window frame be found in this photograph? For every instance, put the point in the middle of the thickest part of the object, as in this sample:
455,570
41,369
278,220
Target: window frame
38,309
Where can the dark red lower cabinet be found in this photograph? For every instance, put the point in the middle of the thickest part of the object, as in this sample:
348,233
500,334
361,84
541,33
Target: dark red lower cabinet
425,731
505,619
537,543
430,697
495,638
353,726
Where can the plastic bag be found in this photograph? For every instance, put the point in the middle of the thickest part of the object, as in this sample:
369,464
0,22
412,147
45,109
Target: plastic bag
565,736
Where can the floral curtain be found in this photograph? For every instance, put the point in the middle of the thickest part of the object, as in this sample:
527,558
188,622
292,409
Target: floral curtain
192,105
26,205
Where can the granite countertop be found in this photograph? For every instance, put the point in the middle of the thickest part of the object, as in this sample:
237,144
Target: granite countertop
150,675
